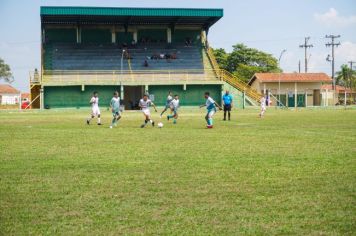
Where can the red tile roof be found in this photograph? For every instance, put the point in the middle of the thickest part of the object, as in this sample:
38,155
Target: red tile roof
290,77
338,88
25,95
8,89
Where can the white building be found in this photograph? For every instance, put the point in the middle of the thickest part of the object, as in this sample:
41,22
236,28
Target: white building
9,95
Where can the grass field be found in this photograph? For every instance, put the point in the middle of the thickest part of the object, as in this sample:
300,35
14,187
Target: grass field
293,172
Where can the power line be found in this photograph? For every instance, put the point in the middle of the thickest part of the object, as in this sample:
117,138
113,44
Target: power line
306,46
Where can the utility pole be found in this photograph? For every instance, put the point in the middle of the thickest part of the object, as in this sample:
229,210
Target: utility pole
306,46
350,76
299,66
332,44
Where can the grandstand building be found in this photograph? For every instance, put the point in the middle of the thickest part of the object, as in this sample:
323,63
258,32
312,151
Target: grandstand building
132,50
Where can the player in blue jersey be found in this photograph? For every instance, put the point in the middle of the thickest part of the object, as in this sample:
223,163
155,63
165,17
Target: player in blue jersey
227,102
211,109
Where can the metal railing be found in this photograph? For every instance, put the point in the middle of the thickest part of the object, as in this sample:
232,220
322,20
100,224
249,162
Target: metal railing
116,76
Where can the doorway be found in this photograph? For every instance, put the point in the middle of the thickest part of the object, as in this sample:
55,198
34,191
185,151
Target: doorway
132,95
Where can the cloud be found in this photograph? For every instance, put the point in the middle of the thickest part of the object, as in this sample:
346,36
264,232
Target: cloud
331,18
346,52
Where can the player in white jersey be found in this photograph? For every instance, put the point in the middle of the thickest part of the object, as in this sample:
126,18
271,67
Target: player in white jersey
168,103
174,105
145,104
95,111
211,109
263,106
115,109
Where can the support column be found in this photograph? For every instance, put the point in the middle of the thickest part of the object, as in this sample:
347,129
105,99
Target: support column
243,99
113,35
41,98
79,34
135,35
306,98
122,92
184,87
169,35
295,95
326,97
264,88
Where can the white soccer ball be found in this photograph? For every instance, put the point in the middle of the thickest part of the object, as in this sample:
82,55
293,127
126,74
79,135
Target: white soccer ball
160,125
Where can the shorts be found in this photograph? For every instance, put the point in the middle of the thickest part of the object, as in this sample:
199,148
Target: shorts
175,111
146,112
116,113
210,113
227,107
95,111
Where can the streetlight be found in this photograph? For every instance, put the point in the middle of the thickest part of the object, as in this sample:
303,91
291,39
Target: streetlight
279,78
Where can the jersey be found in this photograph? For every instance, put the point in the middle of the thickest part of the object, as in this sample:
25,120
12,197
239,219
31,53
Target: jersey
210,104
263,102
145,104
115,104
169,99
175,104
227,98
94,102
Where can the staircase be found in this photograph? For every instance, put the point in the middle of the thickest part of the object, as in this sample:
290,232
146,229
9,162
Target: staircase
231,79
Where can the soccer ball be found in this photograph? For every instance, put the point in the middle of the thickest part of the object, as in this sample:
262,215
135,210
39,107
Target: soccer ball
160,125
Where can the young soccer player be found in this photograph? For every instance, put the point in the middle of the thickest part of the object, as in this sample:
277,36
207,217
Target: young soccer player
263,106
95,111
145,104
174,109
168,103
211,108
115,109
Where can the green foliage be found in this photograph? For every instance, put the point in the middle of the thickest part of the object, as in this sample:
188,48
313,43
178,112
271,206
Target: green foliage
346,77
244,61
5,72
291,173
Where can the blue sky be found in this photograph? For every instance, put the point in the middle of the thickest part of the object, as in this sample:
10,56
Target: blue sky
270,26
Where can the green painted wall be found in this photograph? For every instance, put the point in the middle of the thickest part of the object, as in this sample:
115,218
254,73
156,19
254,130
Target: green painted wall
179,36
236,94
61,35
192,96
153,34
72,96
96,36
122,37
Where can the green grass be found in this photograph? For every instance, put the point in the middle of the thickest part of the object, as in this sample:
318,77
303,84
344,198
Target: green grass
293,172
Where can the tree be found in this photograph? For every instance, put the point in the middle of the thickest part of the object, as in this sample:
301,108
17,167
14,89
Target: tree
244,62
345,77
5,72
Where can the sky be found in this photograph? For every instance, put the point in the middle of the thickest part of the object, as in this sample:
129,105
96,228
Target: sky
270,26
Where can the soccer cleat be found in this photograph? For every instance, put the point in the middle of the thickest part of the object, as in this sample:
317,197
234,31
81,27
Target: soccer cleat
209,126
88,122
153,124
110,127
174,122
142,126
99,124
168,118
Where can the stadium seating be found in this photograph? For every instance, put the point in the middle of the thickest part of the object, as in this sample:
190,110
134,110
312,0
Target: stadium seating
68,56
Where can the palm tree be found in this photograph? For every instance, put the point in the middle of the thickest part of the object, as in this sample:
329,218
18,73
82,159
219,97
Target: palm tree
346,77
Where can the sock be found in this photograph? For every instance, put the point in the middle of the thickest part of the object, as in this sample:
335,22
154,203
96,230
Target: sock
99,121
89,119
113,121
151,121
174,121
170,116
228,114
144,124
210,121
224,115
